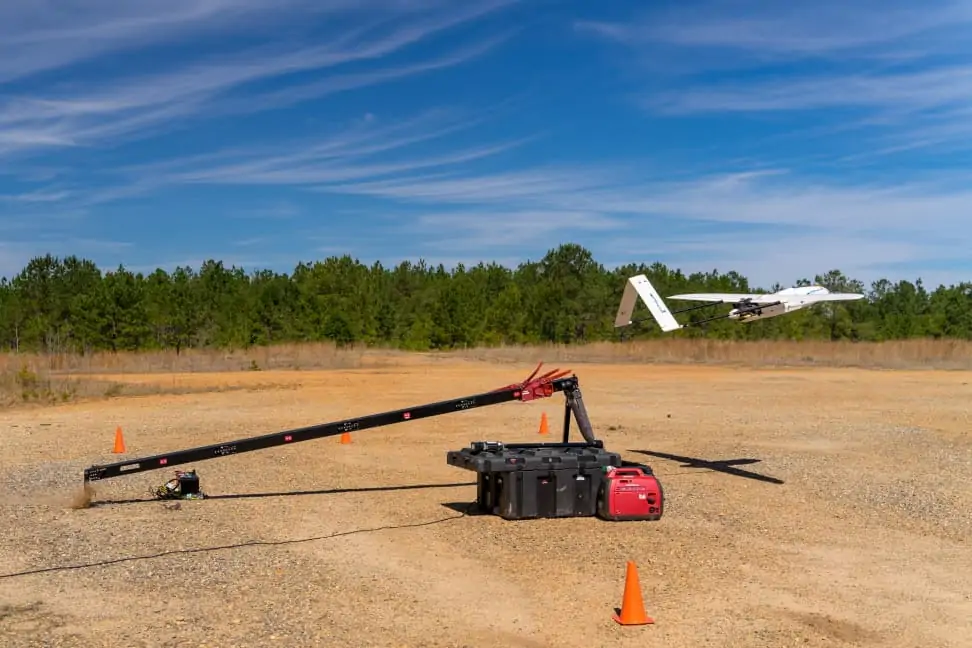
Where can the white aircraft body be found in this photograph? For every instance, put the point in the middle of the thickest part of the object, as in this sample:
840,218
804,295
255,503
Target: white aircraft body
745,307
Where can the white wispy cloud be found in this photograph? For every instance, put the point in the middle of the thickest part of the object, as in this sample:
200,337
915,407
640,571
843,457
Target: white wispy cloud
899,93
39,196
772,224
906,73
767,258
746,198
360,151
303,169
899,70
39,37
458,199
760,32
76,114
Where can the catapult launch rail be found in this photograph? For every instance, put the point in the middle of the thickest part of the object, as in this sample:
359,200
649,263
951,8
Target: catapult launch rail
534,387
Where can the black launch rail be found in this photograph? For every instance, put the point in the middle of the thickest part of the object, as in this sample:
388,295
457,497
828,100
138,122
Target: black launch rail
531,389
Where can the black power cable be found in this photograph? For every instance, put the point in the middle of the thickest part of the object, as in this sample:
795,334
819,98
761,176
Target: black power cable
253,543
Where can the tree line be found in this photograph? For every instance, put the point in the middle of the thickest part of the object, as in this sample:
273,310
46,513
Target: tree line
71,305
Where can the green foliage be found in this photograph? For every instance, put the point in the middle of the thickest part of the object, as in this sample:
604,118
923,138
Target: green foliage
70,305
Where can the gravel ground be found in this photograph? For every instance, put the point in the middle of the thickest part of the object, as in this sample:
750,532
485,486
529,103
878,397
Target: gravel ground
865,543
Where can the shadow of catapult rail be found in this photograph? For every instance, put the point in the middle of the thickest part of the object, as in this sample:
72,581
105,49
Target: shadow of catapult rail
329,491
726,466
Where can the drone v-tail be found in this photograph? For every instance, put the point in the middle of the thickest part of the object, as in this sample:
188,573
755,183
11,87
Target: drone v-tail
746,307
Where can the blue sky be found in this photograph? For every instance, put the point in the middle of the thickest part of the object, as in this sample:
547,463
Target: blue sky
776,139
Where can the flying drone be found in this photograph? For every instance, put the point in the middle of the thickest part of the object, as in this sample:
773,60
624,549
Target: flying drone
745,307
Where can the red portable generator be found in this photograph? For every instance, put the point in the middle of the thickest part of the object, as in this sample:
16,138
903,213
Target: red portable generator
630,493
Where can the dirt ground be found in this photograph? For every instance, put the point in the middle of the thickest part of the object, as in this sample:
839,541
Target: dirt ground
865,543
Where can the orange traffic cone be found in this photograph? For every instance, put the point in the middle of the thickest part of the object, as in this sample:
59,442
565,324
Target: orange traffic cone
119,441
544,425
345,437
632,607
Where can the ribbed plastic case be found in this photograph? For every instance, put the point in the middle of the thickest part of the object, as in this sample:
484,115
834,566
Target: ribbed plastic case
555,480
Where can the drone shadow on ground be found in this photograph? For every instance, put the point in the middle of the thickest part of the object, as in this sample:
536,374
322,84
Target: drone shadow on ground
726,466
329,491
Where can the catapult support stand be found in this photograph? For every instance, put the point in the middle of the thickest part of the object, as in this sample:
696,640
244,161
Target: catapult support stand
574,404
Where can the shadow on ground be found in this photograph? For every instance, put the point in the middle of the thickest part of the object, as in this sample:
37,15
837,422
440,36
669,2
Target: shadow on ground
469,509
726,466
330,491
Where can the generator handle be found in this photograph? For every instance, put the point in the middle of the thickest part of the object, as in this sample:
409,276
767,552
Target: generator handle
628,472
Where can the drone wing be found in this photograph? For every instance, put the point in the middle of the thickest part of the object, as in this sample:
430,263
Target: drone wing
729,298
639,286
826,297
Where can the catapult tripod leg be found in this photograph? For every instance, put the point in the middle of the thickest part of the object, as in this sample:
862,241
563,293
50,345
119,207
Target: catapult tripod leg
567,415
576,403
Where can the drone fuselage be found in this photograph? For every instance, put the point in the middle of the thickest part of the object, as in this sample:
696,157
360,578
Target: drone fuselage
745,312
790,299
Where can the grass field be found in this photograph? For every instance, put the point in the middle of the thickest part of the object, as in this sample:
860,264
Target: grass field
47,379
864,543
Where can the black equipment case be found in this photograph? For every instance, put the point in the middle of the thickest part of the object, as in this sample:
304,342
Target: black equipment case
536,480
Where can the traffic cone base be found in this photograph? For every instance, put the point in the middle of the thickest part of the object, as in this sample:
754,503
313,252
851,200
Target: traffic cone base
632,610
345,437
119,441
646,620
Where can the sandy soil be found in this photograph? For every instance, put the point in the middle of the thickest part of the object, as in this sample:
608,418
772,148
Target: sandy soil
866,543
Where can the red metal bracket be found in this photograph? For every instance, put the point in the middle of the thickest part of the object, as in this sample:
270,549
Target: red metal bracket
536,386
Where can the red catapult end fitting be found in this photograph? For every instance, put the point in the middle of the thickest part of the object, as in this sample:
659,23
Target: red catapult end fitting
536,386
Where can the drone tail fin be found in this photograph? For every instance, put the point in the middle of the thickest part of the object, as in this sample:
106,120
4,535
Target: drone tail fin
639,286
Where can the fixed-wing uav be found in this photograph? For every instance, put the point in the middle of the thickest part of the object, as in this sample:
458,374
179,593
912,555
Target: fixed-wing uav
745,307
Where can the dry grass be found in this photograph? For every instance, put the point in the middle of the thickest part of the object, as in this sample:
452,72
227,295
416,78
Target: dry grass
285,356
903,354
37,378
26,388
30,378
